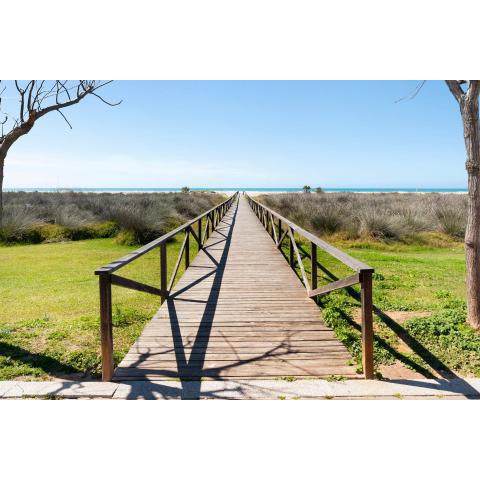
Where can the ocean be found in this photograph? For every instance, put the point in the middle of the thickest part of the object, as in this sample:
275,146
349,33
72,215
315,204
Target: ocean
245,189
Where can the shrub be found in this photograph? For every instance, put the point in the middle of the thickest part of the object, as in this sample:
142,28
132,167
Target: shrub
15,224
377,225
328,219
451,218
379,216
35,217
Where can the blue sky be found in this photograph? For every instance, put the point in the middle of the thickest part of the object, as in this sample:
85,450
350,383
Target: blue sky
248,134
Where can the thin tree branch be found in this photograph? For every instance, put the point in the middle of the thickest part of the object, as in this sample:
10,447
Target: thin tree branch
413,93
104,101
35,103
65,118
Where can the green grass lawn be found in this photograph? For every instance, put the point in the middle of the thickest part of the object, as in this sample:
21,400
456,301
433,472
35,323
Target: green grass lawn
411,277
49,319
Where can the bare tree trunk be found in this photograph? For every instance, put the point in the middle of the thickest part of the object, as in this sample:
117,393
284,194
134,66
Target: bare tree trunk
2,165
469,110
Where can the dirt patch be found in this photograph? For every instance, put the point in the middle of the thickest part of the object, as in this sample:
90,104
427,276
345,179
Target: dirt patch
398,371
397,316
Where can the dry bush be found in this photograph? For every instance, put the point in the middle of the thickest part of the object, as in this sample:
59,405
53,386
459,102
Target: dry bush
380,216
140,217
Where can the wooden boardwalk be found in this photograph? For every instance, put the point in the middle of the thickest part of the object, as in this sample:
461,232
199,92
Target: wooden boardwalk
239,311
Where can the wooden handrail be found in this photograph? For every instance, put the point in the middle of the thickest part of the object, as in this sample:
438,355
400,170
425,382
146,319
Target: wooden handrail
107,278
351,262
121,262
363,271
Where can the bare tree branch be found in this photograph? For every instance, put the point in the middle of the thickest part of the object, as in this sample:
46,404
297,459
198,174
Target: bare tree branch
39,97
105,101
413,93
456,89
36,98
65,118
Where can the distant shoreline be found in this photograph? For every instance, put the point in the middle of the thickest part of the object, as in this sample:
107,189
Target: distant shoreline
253,191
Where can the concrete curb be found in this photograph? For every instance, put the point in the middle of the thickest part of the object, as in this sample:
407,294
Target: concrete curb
245,389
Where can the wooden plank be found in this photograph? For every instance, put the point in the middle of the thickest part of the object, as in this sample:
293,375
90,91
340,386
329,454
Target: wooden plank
299,260
134,285
246,371
344,282
106,326
177,263
367,325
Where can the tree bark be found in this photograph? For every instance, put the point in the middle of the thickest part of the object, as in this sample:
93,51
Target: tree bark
2,165
468,101
469,110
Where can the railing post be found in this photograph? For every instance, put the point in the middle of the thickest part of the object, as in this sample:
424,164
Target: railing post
279,231
187,248
367,323
163,270
292,256
313,261
199,241
106,326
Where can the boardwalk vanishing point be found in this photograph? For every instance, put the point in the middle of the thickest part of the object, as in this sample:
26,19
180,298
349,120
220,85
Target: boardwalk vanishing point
238,311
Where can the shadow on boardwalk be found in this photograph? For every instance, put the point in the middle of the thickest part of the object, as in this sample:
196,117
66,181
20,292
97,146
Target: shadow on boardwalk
189,371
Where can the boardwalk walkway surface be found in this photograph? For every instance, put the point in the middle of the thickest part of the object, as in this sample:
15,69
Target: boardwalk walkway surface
239,311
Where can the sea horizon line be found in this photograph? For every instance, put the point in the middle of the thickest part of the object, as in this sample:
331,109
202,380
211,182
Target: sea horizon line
246,189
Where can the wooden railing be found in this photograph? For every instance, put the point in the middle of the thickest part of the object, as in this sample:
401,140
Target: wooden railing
107,278
281,228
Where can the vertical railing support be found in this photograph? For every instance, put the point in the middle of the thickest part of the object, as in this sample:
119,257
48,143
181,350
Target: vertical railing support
199,241
106,326
367,323
292,253
280,231
313,261
187,248
163,271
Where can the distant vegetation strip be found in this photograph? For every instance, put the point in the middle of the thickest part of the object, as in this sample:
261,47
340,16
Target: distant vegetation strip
408,217
36,217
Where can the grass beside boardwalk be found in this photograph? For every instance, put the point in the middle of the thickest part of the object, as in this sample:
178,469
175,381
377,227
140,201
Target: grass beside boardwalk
419,295
49,321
